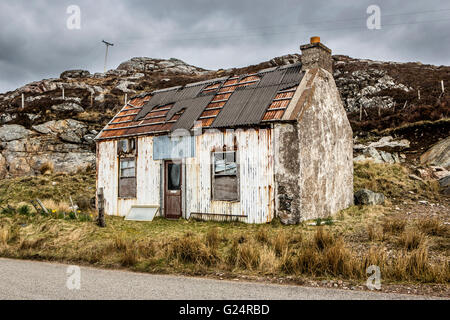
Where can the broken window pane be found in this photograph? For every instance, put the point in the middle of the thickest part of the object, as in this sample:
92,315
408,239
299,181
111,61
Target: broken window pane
225,163
225,180
127,168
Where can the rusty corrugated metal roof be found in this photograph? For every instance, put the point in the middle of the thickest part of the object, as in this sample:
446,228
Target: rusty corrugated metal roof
250,99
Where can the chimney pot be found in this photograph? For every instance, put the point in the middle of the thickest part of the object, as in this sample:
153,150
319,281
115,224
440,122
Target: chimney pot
314,40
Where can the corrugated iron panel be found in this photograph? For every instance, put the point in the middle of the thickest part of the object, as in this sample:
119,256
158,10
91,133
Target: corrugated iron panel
159,98
272,78
293,74
243,100
193,108
232,109
255,108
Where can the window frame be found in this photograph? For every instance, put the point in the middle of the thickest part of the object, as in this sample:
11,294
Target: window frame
214,174
133,195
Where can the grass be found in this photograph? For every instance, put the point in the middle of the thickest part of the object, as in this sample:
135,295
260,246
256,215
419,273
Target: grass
193,247
406,250
393,181
56,188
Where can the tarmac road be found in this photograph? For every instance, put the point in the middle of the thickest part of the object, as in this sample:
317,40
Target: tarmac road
21,279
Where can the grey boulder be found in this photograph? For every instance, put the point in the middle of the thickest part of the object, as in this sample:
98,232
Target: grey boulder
368,197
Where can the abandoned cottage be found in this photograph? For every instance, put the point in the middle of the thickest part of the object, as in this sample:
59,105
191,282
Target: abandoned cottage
276,143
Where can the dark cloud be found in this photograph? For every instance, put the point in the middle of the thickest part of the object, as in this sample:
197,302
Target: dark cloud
35,43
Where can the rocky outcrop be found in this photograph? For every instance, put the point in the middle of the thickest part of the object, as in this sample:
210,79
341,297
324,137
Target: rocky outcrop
368,197
13,132
438,155
376,151
61,142
445,185
68,107
143,65
53,120
69,74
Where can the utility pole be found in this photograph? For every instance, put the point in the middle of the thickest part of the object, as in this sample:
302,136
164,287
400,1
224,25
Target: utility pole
106,54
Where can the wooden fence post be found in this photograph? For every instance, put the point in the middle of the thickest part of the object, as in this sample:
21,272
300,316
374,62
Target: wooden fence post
101,208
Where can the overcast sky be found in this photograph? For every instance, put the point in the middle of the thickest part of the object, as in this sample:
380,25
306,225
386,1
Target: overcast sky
35,42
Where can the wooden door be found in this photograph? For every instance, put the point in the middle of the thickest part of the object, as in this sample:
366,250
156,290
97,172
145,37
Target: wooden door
172,189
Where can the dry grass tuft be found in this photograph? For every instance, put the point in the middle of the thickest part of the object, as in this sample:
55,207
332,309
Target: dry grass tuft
374,233
27,244
269,263
146,248
262,236
8,234
280,243
323,239
128,257
191,249
4,235
212,238
248,256
432,227
412,239
394,225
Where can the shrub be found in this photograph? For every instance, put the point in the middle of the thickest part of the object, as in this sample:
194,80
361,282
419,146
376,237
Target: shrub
329,221
72,215
24,210
8,210
84,217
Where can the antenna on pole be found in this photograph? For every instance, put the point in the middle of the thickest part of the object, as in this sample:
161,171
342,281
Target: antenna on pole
106,54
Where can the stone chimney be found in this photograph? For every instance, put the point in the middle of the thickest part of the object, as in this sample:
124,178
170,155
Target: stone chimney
316,55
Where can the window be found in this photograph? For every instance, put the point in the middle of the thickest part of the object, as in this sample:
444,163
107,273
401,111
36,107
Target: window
126,147
225,176
127,178
127,168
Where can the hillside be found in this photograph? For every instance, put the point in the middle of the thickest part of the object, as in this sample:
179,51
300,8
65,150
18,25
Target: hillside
60,117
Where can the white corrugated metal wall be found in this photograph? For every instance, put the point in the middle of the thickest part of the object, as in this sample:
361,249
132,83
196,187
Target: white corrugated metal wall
255,154
147,176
